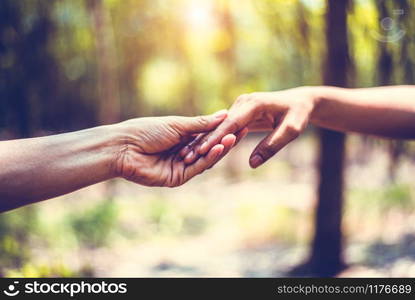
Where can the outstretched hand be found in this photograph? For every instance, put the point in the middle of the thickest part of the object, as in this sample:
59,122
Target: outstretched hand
150,153
284,113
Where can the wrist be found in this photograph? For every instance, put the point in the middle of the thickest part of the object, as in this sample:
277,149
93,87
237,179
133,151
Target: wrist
315,96
117,146
126,144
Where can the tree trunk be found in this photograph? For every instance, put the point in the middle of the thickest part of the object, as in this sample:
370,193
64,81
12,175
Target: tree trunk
108,89
326,255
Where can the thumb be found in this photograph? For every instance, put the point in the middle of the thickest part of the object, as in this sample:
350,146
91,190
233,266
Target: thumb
203,123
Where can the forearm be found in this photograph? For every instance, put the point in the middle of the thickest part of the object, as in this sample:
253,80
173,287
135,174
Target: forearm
40,168
383,111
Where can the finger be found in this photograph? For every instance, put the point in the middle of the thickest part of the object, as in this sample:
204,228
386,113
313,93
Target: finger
290,128
229,144
184,141
190,157
261,126
238,118
241,135
189,147
229,141
213,138
268,121
202,123
204,162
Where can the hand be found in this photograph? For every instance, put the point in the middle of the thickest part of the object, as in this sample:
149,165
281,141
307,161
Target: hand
149,154
285,113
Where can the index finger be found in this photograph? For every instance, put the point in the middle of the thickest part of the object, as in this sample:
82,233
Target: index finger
213,138
238,118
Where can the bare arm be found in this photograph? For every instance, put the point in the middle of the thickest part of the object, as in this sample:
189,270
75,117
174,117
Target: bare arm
143,150
39,168
382,111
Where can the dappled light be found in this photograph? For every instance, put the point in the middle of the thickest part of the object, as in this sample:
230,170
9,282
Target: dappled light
73,64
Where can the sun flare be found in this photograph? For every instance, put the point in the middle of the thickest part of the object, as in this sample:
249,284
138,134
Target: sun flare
198,15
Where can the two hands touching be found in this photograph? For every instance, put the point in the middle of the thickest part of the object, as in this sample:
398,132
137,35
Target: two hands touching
284,114
169,151
150,153
143,150
382,111
154,151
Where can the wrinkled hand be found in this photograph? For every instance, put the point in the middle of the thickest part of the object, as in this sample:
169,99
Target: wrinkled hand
150,151
285,113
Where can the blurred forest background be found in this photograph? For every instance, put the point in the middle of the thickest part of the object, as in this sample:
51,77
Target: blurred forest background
326,205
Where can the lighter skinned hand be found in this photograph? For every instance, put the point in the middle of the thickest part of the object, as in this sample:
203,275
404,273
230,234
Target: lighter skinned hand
284,113
150,153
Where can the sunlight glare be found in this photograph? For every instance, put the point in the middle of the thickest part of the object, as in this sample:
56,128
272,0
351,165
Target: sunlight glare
199,15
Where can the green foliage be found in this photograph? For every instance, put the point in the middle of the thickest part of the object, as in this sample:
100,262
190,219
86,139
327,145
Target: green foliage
17,229
171,57
166,219
93,226
396,196
50,270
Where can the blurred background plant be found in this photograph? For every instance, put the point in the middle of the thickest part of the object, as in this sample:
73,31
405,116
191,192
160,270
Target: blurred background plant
72,64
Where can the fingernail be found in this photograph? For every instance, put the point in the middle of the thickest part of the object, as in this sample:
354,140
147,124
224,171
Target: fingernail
190,155
256,160
219,153
184,151
202,149
220,114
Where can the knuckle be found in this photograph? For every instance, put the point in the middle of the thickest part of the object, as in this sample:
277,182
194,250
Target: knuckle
253,101
253,96
259,107
248,98
203,120
242,98
231,126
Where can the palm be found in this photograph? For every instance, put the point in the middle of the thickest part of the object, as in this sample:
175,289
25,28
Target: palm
165,170
154,158
164,166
